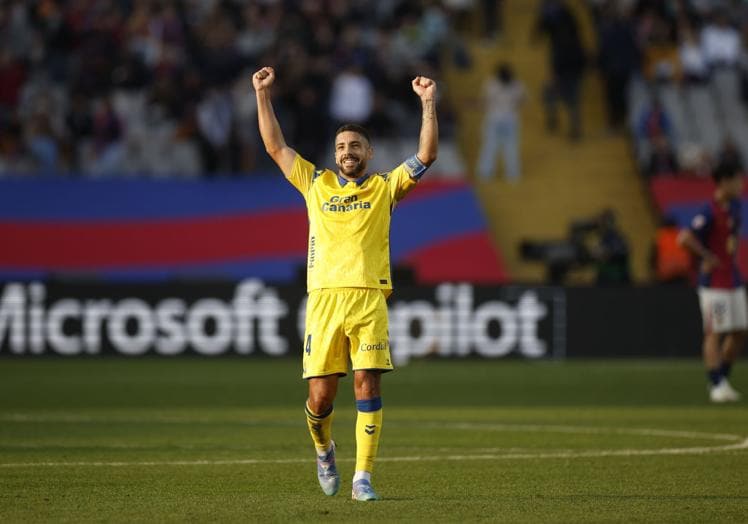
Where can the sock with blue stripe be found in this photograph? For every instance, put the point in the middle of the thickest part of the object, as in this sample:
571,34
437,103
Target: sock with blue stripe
320,428
368,428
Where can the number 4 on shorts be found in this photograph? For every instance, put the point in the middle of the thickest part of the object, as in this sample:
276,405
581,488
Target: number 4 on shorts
308,347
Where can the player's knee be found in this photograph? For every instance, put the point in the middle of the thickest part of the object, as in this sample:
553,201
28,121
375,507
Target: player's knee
320,401
368,385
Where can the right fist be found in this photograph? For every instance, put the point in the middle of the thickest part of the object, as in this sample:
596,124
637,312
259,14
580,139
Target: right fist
263,78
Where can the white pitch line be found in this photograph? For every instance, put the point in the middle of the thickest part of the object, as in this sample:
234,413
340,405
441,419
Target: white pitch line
109,419
416,458
577,454
508,427
548,428
508,454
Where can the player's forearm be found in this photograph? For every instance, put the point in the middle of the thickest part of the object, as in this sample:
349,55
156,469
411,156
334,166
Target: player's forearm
428,142
691,243
270,130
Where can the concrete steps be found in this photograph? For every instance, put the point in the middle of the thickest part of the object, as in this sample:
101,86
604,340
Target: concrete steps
562,180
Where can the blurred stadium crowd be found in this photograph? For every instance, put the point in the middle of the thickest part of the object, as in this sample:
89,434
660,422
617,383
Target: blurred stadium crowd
677,71
163,86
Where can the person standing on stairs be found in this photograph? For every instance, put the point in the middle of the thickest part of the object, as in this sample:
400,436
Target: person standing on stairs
503,95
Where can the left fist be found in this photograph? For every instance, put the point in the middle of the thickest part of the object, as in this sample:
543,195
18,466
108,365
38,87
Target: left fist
424,87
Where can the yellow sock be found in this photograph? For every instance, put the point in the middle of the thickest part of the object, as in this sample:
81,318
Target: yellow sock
320,428
368,428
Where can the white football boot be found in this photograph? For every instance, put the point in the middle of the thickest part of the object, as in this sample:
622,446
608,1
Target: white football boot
723,392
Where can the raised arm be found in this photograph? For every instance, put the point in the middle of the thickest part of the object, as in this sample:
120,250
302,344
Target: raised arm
270,130
428,142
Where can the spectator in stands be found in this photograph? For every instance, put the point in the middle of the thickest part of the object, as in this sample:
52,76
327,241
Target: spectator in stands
12,78
217,58
259,31
215,119
661,62
435,30
98,48
618,60
107,139
729,158
502,96
654,122
311,116
17,35
13,158
721,41
692,57
78,127
558,23
662,160
42,144
351,97
493,19
709,50
159,61
245,112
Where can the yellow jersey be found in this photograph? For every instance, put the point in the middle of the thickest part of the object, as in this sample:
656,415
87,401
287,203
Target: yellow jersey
349,223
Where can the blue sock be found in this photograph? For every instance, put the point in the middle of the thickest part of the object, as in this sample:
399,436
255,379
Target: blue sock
715,376
725,368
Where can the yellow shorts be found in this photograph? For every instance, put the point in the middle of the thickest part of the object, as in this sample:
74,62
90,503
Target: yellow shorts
343,323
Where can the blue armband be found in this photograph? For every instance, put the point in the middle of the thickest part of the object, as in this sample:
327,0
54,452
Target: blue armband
415,167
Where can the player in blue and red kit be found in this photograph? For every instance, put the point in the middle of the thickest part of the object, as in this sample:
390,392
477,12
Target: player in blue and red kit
713,237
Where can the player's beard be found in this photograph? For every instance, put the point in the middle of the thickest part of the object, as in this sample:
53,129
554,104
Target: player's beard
354,171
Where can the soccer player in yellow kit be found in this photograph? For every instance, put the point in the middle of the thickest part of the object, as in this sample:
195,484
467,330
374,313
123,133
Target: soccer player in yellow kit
348,273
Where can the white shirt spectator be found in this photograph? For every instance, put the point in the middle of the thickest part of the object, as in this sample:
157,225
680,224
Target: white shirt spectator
721,44
502,101
352,97
692,59
215,117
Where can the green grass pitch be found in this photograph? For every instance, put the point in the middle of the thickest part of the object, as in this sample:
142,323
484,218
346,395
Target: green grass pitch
225,440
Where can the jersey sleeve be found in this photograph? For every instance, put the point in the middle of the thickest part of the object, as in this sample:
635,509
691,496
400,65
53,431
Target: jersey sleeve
702,222
404,178
302,174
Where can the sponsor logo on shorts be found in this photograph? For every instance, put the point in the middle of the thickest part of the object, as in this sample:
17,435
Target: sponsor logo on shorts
379,346
720,311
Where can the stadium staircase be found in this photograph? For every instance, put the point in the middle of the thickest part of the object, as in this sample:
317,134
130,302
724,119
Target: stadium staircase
561,180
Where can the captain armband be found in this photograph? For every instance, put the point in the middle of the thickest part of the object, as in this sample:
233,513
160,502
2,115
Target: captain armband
415,167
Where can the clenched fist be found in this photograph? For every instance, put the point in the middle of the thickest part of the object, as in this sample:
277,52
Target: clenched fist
424,87
263,78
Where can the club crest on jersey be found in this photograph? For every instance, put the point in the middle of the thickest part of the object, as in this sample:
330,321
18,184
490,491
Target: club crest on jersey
338,204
